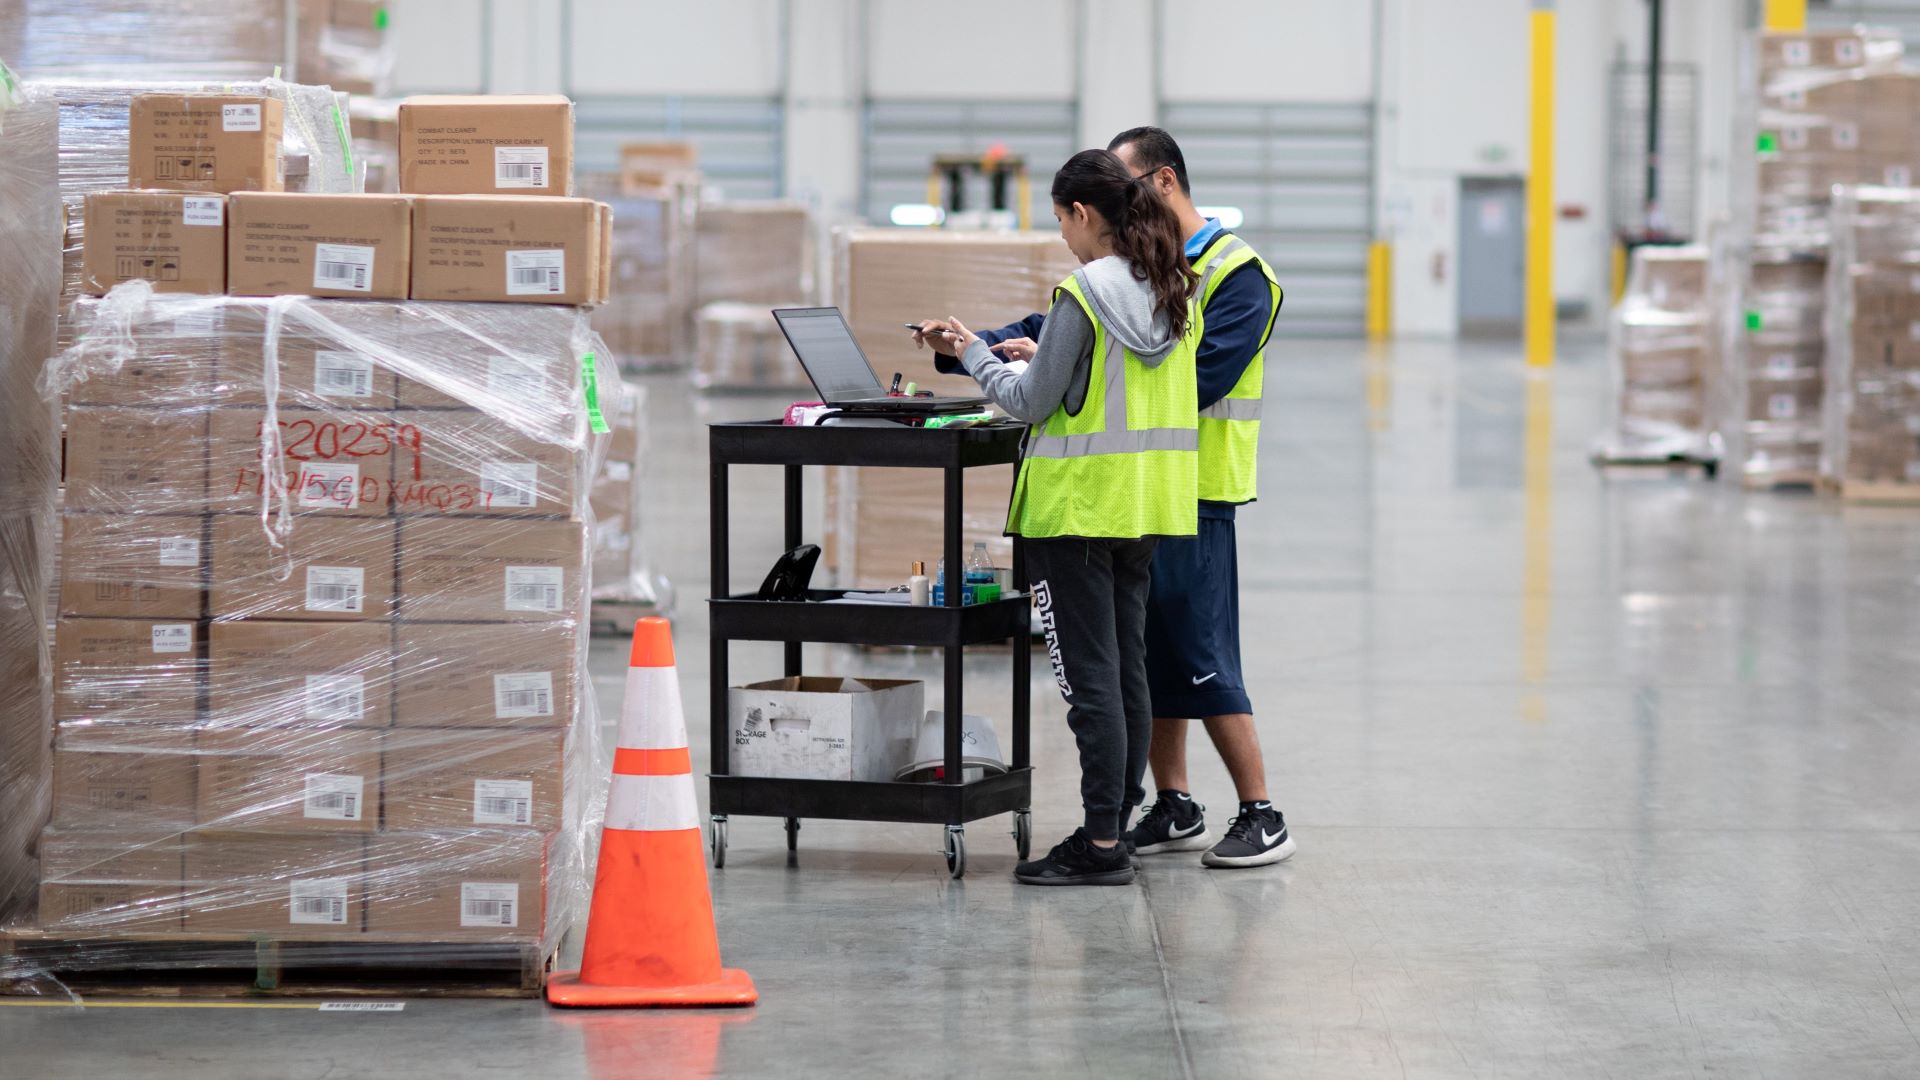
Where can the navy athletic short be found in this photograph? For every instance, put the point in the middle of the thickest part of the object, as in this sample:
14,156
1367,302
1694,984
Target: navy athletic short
1193,625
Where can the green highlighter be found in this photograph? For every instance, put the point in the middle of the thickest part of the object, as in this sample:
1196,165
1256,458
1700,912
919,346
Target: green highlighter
944,421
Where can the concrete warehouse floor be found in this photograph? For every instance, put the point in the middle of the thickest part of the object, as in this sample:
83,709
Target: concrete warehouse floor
1589,778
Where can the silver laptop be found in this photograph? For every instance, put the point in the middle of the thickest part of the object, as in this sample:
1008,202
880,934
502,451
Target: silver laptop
841,373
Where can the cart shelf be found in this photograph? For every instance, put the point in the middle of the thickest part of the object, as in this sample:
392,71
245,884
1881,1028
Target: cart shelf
744,618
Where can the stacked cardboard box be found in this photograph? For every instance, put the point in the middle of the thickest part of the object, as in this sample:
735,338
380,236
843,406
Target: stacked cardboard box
1872,417
879,521
619,571
650,287
750,257
1661,358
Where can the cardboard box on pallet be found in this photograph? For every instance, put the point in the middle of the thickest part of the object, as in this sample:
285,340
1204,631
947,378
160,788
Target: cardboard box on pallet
879,522
133,566
542,367
452,778
739,346
123,777
289,884
176,243
136,461
327,569
314,372
453,675
458,884
171,363
471,570
472,463
754,252
506,248
337,462
289,779
299,674
205,142
114,880
286,244
496,144
649,166
113,672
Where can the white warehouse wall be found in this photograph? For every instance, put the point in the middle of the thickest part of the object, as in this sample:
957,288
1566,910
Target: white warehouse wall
1242,51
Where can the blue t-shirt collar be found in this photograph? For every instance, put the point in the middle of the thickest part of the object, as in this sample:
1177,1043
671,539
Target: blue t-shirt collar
1198,242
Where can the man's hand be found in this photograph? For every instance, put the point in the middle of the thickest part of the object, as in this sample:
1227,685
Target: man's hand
935,333
959,336
1019,348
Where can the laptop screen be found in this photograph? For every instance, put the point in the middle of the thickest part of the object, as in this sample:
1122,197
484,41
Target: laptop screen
826,348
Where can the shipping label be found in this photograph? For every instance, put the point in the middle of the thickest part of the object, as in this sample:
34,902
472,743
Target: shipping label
317,901
510,378
489,903
336,697
200,210
343,267
1782,406
535,588
536,272
328,485
173,637
179,551
503,802
196,325
342,374
510,484
526,693
336,588
519,166
240,117
334,797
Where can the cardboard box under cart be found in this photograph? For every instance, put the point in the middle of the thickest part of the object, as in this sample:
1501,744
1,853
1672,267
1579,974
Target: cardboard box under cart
824,728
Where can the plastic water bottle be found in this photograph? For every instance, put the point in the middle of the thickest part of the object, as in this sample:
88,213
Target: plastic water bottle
940,585
979,575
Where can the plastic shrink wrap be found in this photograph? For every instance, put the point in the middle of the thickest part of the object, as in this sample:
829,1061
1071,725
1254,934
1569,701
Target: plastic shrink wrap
1660,360
879,521
319,665
29,475
1872,449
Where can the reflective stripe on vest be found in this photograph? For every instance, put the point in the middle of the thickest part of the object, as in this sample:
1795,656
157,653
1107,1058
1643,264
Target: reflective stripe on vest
1232,409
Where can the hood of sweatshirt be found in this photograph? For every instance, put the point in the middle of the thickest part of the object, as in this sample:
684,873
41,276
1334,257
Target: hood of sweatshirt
1124,305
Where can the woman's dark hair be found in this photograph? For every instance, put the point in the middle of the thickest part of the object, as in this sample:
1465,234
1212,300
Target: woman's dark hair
1143,229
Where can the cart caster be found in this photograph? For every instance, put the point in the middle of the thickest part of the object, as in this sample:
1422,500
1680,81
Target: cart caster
717,838
956,852
793,841
1023,833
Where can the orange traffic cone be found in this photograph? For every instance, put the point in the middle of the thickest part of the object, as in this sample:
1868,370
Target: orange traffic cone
650,935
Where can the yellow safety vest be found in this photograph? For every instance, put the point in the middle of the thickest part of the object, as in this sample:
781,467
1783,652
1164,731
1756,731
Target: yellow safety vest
1230,427
1127,464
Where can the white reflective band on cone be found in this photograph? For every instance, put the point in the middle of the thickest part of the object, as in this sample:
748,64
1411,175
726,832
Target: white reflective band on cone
652,803
650,716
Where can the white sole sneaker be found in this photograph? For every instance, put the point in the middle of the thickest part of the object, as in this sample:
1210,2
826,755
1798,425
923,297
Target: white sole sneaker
1185,843
1278,853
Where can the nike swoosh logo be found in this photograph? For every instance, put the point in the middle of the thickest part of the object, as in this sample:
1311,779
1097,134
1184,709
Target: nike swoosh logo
1178,833
1268,839
1204,678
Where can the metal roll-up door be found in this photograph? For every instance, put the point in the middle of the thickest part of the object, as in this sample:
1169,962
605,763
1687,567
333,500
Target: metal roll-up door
740,139
903,137
1303,177
1901,15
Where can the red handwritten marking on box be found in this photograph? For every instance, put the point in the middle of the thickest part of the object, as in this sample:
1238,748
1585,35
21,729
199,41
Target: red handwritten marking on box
311,488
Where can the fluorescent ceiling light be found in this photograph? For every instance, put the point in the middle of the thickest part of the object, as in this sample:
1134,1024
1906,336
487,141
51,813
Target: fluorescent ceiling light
1230,216
917,214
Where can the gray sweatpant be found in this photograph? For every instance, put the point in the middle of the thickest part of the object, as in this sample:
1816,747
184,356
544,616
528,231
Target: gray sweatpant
1091,596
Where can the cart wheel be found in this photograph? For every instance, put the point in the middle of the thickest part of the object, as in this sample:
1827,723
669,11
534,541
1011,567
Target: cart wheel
1023,833
956,852
717,837
793,841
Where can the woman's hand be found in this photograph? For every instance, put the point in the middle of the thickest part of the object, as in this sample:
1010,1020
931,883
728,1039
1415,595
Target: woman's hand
960,337
1019,348
936,333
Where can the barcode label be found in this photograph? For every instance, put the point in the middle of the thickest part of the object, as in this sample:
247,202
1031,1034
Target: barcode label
331,485
536,273
619,471
503,802
1782,406
203,210
1899,176
317,901
343,267
519,166
535,588
342,374
1794,138
1846,136
194,325
1798,53
489,903
179,551
173,637
526,693
335,588
240,118
1846,51
510,378
1780,365
336,697
334,797
509,483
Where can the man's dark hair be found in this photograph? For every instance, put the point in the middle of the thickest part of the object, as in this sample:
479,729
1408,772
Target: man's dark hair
1153,150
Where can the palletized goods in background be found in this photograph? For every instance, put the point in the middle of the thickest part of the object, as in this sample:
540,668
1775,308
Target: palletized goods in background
1872,449
1661,362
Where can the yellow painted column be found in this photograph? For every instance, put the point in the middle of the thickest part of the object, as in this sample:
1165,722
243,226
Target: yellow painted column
1379,290
1786,15
1539,298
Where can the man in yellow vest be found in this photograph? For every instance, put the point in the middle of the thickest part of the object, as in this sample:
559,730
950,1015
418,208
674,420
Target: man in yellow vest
1193,614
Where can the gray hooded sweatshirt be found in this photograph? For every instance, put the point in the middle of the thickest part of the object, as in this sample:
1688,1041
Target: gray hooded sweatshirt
1062,363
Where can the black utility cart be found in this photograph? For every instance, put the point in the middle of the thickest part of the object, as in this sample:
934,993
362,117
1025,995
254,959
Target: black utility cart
740,617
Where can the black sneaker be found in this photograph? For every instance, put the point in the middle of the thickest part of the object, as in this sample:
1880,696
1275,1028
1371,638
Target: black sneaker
1075,861
1256,836
1173,823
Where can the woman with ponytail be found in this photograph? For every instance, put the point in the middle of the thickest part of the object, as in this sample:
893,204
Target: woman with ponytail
1110,466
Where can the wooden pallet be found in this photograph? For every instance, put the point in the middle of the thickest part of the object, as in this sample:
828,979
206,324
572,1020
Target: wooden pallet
1783,481
165,965
1883,492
